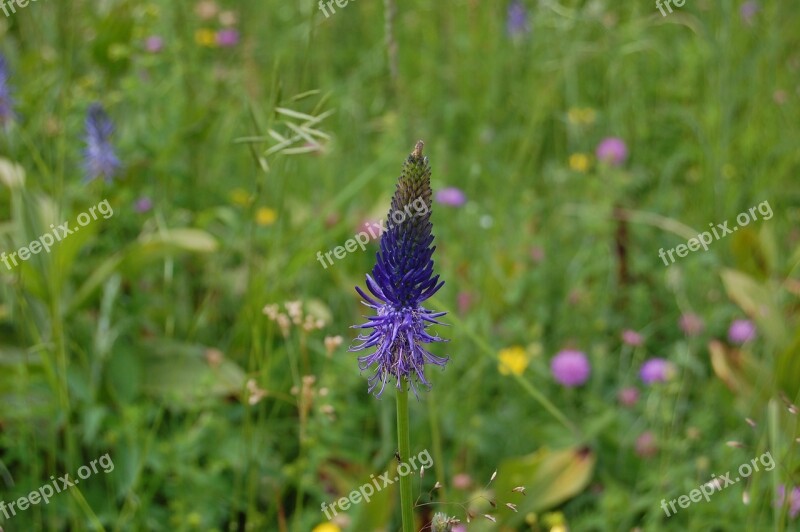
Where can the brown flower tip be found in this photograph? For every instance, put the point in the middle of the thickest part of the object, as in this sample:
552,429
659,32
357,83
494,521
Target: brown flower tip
417,154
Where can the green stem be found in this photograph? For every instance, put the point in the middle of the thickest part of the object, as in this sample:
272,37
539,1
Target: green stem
404,447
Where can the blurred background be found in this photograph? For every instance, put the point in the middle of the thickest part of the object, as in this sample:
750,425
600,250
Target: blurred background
193,340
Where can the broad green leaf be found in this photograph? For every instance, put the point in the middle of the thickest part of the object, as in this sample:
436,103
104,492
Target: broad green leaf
757,300
181,375
549,478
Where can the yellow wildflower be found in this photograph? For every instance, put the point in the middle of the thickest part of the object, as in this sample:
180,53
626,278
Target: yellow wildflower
205,37
581,116
579,162
239,196
326,527
512,360
266,216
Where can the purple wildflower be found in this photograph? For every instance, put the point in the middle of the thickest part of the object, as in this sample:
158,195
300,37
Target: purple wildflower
748,11
570,368
227,38
691,324
741,331
154,44
612,150
656,370
632,338
517,21
451,196
646,445
100,159
537,254
794,501
628,396
401,280
6,101
143,204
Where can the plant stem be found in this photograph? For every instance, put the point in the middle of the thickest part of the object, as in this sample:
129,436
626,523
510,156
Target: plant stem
404,447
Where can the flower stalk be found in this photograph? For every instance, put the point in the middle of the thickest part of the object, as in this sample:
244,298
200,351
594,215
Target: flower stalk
404,448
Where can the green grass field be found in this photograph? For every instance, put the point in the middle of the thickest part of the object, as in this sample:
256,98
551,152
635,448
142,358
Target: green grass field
617,222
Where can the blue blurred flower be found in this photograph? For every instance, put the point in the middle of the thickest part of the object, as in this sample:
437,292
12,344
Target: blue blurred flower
99,157
517,22
6,101
401,280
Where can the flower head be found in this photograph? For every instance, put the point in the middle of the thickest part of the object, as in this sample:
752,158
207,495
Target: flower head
632,338
579,162
794,500
401,280
99,157
748,11
741,331
512,360
452,196
656,370
581,116
6,102
628,396
227,38
570,368
691,324
143,204
205,37
612,150
517,23
266,216
646,445
154,44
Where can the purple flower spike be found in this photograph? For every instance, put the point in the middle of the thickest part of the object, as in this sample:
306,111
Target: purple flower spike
451,196
570,368
517,23
99,157
741,331
612,150
6,101
656,370
401,280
